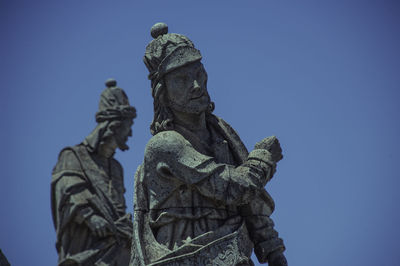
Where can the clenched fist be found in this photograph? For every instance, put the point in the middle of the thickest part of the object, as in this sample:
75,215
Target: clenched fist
272,145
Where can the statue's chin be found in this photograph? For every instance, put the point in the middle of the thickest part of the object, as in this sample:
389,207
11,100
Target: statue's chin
123,147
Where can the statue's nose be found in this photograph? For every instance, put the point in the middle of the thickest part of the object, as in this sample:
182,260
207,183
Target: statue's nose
196,87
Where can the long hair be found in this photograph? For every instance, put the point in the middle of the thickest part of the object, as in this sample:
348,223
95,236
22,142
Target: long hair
163,116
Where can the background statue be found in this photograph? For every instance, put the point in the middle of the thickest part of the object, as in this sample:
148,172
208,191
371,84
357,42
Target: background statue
199,194
87,189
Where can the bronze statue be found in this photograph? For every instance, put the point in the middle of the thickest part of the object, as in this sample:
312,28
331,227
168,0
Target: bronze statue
87,189
199,194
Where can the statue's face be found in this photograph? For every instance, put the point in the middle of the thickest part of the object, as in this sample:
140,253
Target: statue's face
187,88
122,133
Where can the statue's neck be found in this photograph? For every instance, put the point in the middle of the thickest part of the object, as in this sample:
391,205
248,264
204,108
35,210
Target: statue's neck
196,123
107,148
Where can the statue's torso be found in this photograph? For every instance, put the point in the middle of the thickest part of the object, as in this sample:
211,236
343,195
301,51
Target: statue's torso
179,210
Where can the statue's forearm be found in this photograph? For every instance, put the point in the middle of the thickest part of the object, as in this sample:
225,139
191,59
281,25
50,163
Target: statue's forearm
262,159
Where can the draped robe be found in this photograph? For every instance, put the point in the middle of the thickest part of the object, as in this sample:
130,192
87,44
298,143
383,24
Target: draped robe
81,187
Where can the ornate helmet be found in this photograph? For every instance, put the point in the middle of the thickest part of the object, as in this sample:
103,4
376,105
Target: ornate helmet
168,51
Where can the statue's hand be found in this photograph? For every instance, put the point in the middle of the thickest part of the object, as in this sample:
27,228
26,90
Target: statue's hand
272,145
98,225
124,226
277,259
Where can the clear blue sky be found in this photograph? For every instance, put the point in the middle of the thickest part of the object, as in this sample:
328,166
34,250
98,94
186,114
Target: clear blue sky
323,76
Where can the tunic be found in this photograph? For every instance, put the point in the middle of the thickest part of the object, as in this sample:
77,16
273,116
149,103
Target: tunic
81,187
195,202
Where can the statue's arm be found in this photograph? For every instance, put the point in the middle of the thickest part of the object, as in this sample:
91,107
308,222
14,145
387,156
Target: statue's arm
72,196
175,158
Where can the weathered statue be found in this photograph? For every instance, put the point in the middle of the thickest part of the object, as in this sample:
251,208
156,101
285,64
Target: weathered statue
199,194
87,189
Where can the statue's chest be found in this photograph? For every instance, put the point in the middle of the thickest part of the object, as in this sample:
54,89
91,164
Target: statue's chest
109,183
222,153
217,147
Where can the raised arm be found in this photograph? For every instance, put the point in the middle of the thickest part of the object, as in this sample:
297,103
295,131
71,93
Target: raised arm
175,159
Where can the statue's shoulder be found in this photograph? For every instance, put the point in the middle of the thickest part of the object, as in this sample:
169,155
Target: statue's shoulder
68,159
165,142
